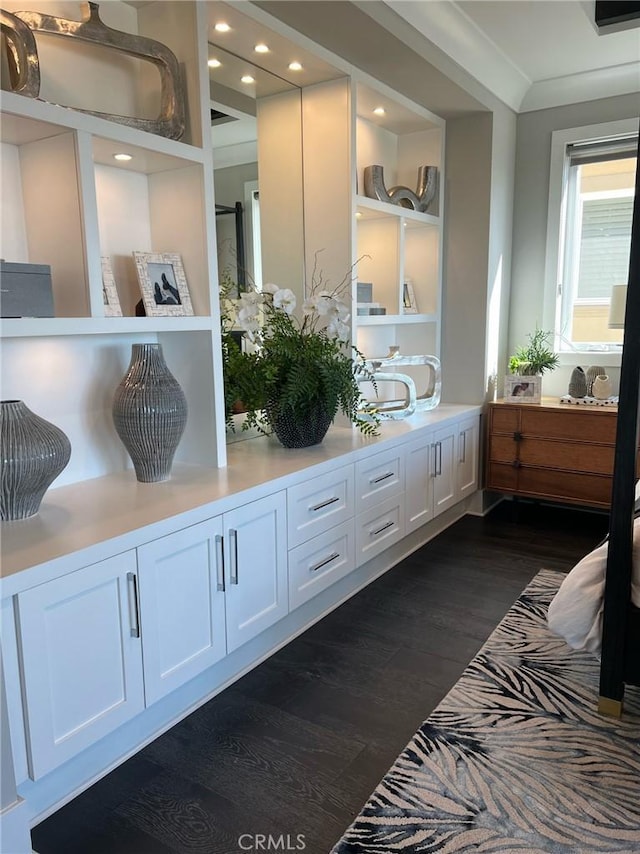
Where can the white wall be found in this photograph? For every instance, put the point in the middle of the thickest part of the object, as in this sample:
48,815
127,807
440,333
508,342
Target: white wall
530,216
478,223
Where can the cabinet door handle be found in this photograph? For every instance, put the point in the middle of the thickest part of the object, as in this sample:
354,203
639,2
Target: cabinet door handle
233,569
380,530
323,504
134,619
220,562
381,477
324,562
439,447
434,472
464,446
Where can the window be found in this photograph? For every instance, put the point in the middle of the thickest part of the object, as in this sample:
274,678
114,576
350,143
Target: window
589,236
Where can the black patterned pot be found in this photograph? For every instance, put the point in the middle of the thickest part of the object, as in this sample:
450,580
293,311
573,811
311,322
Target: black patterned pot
33,453
294,431
150,413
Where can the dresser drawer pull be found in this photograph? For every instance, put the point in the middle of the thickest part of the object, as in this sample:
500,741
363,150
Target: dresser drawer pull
323,504
382,477
220,562
134,619
233,569
324,562
380,530
516,464
517,437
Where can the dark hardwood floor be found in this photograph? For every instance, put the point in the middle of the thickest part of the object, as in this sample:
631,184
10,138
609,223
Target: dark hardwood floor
297,745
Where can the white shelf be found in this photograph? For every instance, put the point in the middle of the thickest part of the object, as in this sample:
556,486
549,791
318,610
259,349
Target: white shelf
32,327
394,319
373,207
52,119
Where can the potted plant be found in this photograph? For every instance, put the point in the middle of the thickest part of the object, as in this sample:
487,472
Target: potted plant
530,361
536,357
293,373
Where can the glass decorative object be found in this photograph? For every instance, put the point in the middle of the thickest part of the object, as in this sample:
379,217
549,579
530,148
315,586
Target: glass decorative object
150,413
33,453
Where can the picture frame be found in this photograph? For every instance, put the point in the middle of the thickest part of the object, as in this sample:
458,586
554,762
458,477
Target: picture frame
522,389
163,284
110,298
409,304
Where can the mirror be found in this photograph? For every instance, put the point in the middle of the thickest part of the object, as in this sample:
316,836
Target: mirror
256,124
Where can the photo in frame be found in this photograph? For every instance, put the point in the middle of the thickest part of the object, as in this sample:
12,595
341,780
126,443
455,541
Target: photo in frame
110,298
409,304
163,284
522,389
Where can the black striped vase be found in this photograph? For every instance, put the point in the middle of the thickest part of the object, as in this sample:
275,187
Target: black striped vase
33,452
150,413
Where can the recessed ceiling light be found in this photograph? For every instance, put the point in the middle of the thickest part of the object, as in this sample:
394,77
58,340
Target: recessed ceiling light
122,157
379,111
261,48
295,66
214,63
222,27
247,78
358,214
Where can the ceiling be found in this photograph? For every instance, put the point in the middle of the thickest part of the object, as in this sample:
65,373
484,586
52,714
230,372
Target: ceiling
534,54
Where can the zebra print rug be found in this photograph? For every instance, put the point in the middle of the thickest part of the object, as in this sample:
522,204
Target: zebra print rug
515,758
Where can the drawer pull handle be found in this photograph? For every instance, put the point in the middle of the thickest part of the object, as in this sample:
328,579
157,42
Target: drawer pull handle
233,569
324,562
439,447
134,619
220,562
380,530
323,504
517,437
516,464
382,477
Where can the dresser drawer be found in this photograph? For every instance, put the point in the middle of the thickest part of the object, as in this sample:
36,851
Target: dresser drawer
379,528
318,504
567,456
576,425
320,562
502,449
377,478
589,489
504,420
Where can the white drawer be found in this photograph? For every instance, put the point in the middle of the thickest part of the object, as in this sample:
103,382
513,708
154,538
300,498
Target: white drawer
379,528
377,478
316,565
318,504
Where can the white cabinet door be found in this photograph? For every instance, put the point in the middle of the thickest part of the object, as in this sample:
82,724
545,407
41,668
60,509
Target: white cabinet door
255,566
468,432
81,658
419,476
445,481
182,608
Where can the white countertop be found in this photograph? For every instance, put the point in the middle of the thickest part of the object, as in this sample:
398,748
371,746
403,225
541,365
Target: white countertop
114,513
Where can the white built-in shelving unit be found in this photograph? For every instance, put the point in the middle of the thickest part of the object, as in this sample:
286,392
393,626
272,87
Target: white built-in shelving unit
397,244
66,202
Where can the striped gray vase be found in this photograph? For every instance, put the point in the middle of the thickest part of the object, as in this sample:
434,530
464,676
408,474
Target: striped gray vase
33,453
150,413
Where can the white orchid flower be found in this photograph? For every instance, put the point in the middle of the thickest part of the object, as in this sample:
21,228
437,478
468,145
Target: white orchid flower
324,303
270,288
285,299
338,329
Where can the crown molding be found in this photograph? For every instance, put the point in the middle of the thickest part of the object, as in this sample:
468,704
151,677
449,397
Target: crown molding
450,29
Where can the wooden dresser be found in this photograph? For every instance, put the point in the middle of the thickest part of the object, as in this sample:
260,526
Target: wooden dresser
552,451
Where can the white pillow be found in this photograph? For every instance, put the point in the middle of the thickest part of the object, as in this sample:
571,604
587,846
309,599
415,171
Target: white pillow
575,612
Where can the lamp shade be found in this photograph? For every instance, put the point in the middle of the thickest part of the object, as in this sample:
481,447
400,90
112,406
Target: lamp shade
617,306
